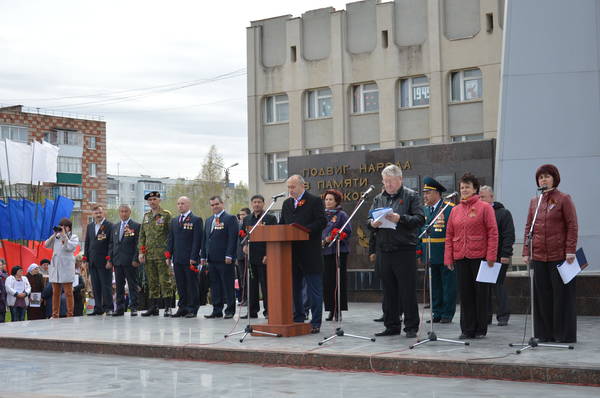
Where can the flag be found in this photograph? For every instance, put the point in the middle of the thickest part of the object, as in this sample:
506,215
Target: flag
44,162
17,161
4,221
32,220
15,217
63,207
46,227
17,254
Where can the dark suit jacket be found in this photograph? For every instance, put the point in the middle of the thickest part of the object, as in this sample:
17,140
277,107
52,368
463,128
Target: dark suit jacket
185,239
257,249
125,251
97,245
222,241
310,213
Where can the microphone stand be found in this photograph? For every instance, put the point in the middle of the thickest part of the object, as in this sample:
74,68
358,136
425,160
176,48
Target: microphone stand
431,335
339,331
248,329
534,342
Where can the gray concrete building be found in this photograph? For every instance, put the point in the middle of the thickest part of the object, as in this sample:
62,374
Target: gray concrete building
373,76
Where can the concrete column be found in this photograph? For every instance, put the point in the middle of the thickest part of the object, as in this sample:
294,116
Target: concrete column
438,93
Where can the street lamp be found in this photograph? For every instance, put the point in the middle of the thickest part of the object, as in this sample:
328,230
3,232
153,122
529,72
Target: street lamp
227,174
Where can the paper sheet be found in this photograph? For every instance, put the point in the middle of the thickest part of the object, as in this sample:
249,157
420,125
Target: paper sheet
488,274
379,215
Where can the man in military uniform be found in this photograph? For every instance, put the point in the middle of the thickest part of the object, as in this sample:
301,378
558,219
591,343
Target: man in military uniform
152,247
443,280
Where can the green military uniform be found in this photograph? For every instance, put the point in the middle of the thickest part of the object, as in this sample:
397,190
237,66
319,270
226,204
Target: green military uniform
153,243
443,280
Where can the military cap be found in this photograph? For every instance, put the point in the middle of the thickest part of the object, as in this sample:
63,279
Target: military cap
153,194
430,184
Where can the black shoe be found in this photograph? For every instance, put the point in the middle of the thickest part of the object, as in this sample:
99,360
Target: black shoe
388,332
411,334
464,336
330,316
315,330
133,312
180,313
251,316
190,315
118,313
228,316
435,320
152,311
378,320
213,315
167,313
479,336
445,320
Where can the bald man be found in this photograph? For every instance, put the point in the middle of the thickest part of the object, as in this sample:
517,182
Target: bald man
183,252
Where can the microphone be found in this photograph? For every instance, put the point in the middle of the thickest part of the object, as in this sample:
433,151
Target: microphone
453,194
543,188
279,195
368,191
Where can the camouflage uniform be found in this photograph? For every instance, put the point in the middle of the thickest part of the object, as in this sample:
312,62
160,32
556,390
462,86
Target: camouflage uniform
153,243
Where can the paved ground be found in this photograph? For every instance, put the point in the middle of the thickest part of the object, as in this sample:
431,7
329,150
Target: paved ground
209,333
42,374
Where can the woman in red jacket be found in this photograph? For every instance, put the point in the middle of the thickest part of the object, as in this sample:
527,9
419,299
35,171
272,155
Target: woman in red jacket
554,241
471,237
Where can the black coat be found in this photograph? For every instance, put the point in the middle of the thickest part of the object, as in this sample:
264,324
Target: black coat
123,252
310,213
257,249
185,239
97,245
506,230
222,241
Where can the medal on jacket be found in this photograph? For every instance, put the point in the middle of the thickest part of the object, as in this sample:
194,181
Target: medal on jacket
128,232
160,220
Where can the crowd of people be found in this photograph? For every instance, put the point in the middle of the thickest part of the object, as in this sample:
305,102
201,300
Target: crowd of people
172,262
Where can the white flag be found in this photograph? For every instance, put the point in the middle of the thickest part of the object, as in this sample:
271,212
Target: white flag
18,162
45,158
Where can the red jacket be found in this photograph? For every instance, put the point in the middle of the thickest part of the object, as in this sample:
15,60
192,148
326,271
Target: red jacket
555,230
471,231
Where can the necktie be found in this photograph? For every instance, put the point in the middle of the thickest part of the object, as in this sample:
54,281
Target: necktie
181,219
122,230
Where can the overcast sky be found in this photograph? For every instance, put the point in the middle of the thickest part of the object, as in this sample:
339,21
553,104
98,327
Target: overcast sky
103,53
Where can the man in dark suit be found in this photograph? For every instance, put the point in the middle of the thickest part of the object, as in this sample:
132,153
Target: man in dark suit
257,253
97,239
185,240
124,259
307,210
218,251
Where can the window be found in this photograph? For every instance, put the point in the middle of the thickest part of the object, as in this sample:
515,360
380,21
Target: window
384,39
423,141
112,185
466,85
71,192
15,133
293,53
69,165
92,143
411,182
111,201
318,151
153,186
64,137
365,147
414,92
464,138
365,98
276,109
93,196
277,166
318,103
77,204
92,169
132,187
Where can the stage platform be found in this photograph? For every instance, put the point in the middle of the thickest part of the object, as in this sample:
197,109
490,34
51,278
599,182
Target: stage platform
202,339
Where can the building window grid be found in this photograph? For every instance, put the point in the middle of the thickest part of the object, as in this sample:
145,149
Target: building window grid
64,137
277,166
69,191
276,109
467,137
93,196
92,170
414,92
365,98
91,142
69,165
365,147
15,133
153,186
318,103
416,142
466,85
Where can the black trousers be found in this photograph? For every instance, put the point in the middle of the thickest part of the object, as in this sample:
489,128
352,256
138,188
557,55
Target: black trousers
102,288
187,288
222,287
399,275
474,298
240,270
258,278
502,309
130,274
555,314
330,282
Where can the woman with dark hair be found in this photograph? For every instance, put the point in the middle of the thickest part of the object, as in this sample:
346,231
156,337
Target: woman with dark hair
62,266
36,280
554,241
336,218
17,293
471,237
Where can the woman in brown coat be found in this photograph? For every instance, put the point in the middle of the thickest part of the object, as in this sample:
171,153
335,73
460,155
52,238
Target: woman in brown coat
554,241
36,280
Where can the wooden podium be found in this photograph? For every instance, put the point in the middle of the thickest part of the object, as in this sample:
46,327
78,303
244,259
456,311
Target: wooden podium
279,240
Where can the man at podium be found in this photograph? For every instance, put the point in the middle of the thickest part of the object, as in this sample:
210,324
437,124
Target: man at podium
307,210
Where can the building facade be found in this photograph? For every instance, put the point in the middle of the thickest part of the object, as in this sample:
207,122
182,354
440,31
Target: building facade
373,76
81,171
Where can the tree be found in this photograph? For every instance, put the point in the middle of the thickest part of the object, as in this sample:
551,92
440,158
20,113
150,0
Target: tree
239,198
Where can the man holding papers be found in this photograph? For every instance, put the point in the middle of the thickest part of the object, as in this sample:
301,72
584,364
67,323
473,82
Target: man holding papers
397,216
554,241
471,236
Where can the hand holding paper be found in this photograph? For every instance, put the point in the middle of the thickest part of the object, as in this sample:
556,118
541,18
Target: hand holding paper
488,274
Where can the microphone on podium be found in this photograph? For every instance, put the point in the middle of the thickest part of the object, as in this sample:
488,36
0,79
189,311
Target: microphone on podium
279,195
368,191
453,194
